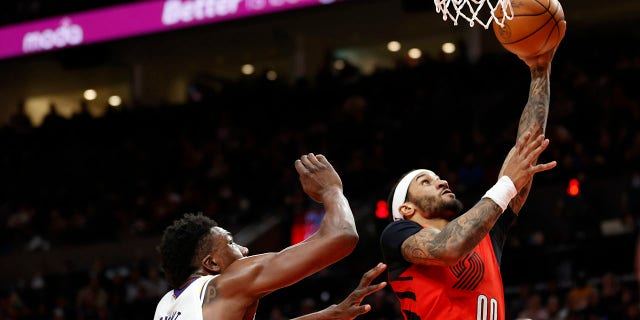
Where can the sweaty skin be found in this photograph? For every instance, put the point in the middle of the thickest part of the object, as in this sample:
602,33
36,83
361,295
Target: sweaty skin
235,292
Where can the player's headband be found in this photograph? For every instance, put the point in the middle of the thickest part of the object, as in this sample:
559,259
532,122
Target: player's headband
400,194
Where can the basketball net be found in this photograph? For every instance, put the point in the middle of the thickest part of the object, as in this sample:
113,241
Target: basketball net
475,11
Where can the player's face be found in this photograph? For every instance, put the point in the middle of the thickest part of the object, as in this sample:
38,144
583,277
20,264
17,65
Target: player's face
225,251
433,197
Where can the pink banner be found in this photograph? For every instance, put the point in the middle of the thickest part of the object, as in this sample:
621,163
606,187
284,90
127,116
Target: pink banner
132,20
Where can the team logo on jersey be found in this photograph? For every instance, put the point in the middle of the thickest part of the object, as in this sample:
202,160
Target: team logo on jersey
469,271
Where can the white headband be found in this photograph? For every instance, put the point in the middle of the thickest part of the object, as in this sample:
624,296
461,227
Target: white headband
400,194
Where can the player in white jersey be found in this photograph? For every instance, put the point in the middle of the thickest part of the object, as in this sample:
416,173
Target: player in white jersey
212,277
185,303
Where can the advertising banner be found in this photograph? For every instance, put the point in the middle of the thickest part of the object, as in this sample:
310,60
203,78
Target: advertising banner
130,20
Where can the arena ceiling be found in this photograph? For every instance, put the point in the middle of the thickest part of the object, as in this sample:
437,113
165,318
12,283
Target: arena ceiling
157,68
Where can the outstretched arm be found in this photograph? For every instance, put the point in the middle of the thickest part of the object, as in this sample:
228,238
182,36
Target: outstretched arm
447,246
534,116
254,276
350,307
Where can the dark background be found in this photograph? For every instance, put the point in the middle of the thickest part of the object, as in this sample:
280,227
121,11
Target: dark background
86,196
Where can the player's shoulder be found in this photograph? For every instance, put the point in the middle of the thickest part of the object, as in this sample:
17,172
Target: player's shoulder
168,296
399,225
399,230
164,304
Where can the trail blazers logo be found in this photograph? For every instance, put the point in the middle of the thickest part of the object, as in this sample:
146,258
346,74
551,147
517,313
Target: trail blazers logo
469,272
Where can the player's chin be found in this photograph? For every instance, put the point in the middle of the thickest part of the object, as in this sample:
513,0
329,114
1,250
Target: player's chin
454,206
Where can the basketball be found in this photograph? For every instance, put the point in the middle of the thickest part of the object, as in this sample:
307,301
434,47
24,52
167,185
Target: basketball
537,27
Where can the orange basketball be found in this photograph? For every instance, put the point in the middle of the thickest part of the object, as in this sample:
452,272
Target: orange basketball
537,27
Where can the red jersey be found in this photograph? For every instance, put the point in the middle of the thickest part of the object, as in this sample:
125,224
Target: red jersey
472,289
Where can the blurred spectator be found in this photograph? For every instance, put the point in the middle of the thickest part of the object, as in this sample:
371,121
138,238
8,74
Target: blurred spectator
91,301
19,121
555,309
610,291
580,295
534,309
383,306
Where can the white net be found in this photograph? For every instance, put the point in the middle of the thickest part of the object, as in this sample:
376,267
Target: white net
475,11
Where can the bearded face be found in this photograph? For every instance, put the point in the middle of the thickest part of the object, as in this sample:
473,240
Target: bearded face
432,197
438,206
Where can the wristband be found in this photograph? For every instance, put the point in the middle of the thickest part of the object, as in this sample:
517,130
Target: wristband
502,192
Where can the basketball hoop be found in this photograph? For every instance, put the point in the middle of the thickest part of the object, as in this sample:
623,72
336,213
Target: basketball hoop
475,11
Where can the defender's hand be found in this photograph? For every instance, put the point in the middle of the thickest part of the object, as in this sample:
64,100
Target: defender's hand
350,307
317,176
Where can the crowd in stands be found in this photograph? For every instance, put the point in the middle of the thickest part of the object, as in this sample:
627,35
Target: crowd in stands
229,153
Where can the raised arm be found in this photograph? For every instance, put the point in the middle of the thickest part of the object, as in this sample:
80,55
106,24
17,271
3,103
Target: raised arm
336,238
534,116
461,235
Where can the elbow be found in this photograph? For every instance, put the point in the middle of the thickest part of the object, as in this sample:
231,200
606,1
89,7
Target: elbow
349,240
452,257
451,261
339,240
345,242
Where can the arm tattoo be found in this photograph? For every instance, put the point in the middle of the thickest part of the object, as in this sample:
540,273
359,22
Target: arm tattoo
534,115
534,118
460,235
211,294
518,201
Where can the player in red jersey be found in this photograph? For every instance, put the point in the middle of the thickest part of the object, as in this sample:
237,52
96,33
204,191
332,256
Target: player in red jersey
443,265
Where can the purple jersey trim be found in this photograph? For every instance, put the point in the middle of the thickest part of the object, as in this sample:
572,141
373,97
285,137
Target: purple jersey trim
178,292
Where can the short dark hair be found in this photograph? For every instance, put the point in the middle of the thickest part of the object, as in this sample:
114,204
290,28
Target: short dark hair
180,243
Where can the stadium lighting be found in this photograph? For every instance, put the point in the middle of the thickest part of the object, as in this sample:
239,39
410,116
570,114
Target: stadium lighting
247,69
90,94
448,48
415,53
272,75
114,101
394,46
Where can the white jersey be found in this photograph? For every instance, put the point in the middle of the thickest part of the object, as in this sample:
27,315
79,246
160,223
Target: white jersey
188,303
